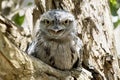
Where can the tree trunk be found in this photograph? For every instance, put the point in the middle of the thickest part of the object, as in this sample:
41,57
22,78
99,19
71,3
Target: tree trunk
100,60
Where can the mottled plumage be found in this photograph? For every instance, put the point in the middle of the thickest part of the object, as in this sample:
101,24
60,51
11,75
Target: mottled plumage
56,42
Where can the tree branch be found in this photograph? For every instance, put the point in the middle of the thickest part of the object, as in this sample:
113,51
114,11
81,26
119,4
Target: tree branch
17,64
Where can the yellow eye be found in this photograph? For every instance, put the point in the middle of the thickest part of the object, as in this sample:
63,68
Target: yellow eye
47,22
66,22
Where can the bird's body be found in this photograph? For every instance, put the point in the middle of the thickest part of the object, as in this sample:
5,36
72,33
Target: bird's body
56,42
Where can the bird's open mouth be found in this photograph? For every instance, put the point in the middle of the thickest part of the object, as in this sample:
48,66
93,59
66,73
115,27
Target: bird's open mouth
56,32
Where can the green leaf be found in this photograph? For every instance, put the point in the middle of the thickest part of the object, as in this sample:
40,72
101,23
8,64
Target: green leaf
114,2
30,3
117,23
18,19
113,7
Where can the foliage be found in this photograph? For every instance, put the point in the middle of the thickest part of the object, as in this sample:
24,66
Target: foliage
18,19
30,3
114,6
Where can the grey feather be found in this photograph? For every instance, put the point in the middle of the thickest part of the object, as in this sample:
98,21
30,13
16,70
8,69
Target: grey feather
56,42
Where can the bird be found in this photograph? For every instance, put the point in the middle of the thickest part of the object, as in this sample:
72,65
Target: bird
56,42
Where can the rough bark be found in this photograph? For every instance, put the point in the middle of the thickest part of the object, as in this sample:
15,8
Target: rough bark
100,60
17,65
